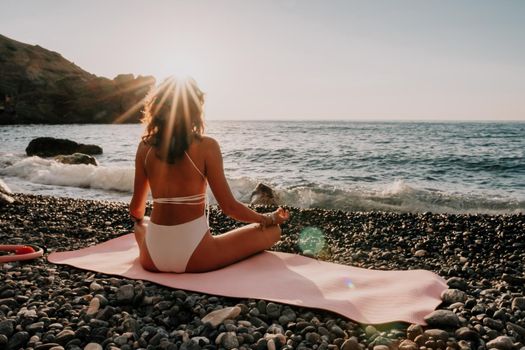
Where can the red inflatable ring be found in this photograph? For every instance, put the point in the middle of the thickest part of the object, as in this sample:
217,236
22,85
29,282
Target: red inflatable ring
21,252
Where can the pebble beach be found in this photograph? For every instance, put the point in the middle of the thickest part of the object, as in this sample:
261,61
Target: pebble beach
45,306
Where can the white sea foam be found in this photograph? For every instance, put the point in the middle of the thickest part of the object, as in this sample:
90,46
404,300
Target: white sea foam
398,196
49,172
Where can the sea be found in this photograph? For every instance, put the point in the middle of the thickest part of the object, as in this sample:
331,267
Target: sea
439,167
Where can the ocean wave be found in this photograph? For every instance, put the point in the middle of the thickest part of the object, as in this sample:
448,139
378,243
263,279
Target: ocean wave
398,196
50,172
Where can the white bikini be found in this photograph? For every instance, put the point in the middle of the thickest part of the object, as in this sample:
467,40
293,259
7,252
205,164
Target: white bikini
171,246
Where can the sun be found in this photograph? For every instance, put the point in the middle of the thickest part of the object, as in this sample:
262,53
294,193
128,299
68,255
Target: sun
181,68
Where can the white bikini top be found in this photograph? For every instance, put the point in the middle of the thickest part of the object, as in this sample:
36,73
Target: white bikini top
196,199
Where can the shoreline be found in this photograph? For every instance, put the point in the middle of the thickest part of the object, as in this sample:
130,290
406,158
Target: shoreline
481,255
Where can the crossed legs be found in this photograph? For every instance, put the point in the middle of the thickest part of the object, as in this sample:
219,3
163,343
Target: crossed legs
214,252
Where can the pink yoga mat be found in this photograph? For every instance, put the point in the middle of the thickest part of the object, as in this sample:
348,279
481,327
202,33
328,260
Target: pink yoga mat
366,296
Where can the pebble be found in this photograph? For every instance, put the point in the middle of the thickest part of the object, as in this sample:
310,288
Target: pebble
465,333
413,331
65,336
502,343
442,318
479,255
518,303
457,283
273,310
408,344
7,328
437,334
217,317
18,340
420,253
451,296
125,294
94,305
229,340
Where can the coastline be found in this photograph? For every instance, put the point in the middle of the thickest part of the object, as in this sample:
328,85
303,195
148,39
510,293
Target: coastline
481,255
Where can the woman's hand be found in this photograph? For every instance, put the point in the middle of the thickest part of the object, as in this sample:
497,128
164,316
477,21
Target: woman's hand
280,216
274,218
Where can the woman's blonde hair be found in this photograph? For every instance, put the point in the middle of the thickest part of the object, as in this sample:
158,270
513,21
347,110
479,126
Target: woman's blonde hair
173,114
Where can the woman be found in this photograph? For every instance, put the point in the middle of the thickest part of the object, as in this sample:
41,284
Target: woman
177,161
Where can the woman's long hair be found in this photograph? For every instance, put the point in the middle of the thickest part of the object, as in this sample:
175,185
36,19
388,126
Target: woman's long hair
173,114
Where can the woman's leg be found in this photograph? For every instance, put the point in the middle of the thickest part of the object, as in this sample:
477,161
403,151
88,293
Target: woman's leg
144,257
214,252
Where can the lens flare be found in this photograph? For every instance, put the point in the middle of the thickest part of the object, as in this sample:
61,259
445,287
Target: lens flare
349,283
311,239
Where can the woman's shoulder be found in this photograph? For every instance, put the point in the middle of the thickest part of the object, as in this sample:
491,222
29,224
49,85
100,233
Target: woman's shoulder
207,142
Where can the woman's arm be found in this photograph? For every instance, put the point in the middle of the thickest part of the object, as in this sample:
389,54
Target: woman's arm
221,190
137,207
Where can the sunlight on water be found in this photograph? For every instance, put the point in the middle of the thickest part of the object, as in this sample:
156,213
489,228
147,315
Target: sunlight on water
311,239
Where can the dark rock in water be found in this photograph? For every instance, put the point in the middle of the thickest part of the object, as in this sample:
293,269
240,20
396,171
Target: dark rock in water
50,147
40,86
265,195
77,158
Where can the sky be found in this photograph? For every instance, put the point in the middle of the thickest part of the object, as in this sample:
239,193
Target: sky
301,59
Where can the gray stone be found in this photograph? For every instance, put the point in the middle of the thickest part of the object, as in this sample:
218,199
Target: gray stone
35,327
413,331
502,343
273,310
437,334
338,331
442,319
492,323
125,294
465,333
350,344
217,317
93,346
457,283
77,158
94,305
192,344
420,253
18,340
7,328
229,340
65,336
451,296
518,303
408,344
312,337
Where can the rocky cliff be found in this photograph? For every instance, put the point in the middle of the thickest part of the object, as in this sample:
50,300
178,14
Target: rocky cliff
41,86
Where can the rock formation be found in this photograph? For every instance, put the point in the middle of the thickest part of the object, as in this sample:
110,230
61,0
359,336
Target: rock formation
77,158
41,86
265,195
50,147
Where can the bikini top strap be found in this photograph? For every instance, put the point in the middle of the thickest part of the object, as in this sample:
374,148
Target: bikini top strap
195,166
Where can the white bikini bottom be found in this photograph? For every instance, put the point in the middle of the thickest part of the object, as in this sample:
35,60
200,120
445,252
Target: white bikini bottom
171,247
